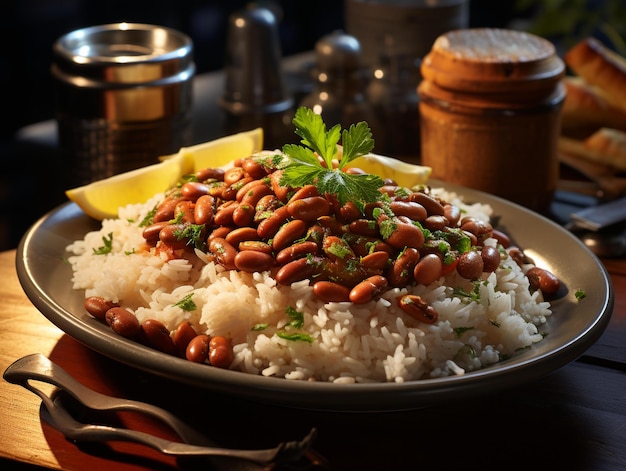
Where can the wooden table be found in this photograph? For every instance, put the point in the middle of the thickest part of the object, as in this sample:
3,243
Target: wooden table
573,419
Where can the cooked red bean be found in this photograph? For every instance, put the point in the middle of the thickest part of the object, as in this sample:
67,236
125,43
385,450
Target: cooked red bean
256,245
184,212
233,175
198,349
337,248
288,233
491,258
220,352
155,334
210,173
401,270
428,269
182,336
544,280
416,307
165,211
252,261
470,265
224,213
481,229
299,270
97,306
122,322
203,211
254,168
376,261
349,212
299,250
435,223
367,289
172,235
194,190
502,238
281,191
366,227
268,227
405,235
306,191
151,232
309,208
452,213
255,193
223,252
432,205
331,292
410,209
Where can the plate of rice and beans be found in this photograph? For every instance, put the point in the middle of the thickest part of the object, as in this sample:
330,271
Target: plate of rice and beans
353,294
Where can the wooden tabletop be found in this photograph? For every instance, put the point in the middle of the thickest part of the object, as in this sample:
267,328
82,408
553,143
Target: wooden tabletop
574,418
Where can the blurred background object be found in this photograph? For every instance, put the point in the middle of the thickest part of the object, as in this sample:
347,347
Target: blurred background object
30,27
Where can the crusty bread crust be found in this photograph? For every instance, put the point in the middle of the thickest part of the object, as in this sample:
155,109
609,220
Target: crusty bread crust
601,67
587,108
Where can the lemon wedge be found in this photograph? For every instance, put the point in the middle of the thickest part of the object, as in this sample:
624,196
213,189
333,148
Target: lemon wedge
403,173
103,198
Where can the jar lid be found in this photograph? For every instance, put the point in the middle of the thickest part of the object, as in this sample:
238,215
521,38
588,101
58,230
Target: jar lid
491,60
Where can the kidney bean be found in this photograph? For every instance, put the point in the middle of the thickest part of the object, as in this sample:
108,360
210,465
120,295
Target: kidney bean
349,212
308,209
281,191
252,261
155,334
210,173
306,191
473,239
184,212
389,190
221,231
220,352
254,168
517,255
491,258
301,249
122,322
255,245
216,190
435,223
406,235
432,206
428,269
401,271
331,224
254,194
367,289
171,234
503,239
544,280
298,270
268,227
336,248
452,213
183,334
194,190
315,233
410,209
224,213
416,307
233,175
375,262
242,190
198,349
481,229
151,232
243,215
166,210
265,204
229,192
288,233
366,227
363,245
331,292
203,211
470,265
97,306
223,252
240,234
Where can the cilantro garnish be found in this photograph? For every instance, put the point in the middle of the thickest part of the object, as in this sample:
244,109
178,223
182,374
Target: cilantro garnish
186,304
580,294
193,232
303,166
107,240
296,317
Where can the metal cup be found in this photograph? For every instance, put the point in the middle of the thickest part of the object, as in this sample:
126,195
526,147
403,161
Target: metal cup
123,97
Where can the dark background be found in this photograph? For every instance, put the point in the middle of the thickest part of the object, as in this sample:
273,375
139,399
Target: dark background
31,26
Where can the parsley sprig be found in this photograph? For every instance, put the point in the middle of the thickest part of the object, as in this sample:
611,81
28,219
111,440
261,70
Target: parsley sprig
303,166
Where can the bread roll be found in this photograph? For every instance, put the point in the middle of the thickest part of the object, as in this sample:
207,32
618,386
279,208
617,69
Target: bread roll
586,109
600,67
606,147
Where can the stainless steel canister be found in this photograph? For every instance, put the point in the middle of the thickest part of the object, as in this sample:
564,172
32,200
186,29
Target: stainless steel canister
123,97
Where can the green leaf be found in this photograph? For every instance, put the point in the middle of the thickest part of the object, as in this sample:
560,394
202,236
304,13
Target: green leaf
357,141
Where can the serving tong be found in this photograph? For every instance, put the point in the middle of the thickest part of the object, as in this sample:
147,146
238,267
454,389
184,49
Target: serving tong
37,367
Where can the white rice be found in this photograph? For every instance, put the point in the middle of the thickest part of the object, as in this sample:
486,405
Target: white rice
376,341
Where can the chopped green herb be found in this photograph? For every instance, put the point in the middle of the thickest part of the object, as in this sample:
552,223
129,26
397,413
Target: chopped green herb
129,252
296,317
387,227
149,218
340,250
303,166
580,294
459,331
107,247
295,337
187,304
259,327
195,234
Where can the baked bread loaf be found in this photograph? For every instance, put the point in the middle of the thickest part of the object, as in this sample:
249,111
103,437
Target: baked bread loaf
586,109
606,147
600,67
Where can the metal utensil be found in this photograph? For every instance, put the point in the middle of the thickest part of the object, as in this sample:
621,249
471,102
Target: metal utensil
39,368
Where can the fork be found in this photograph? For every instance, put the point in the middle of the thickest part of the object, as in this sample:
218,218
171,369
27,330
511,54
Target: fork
38,367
